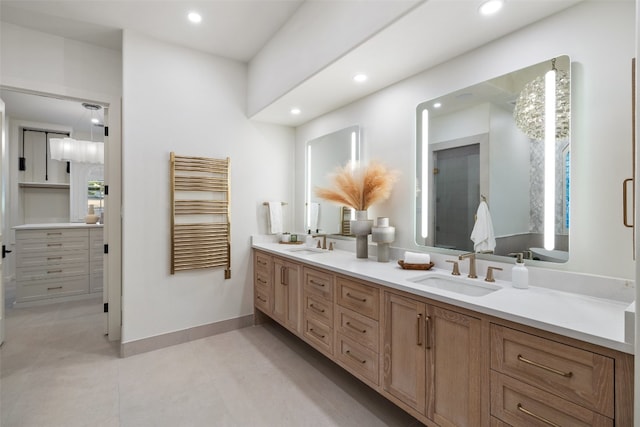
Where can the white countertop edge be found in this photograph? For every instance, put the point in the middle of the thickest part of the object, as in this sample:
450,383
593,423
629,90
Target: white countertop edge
390,275
56,225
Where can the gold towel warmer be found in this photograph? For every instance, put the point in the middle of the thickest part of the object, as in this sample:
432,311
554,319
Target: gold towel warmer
204,186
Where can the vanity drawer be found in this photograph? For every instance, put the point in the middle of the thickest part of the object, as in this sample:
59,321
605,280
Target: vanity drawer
52,272
262,280
359,328
52,246
262,300
318,308
262,263
40,259
519,404
30,291
358,297
318,335
577,375
318,283
52,234
358,359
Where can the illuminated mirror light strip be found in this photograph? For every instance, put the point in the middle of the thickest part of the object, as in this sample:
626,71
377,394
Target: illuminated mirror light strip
549,158
309,187
424,187
354,159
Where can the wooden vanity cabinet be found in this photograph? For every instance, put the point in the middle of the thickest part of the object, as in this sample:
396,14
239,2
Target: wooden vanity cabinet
287,280
432,360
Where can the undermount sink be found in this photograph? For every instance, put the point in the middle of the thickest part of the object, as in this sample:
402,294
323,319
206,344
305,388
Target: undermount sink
459,286
307,250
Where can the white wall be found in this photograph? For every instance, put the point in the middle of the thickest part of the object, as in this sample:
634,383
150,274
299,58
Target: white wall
176,99
599,37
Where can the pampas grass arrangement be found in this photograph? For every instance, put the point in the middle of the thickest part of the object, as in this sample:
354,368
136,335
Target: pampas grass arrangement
359,187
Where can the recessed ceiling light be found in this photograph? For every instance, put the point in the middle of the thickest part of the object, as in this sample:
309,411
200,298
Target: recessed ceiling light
437,105
490,7
194,17
360,77
295,111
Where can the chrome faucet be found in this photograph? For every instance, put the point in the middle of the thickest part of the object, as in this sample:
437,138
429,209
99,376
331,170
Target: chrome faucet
472,263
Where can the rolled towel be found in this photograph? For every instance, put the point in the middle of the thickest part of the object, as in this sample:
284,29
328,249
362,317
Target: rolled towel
416,258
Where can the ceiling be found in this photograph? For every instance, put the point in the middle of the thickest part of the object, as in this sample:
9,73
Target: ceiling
433,32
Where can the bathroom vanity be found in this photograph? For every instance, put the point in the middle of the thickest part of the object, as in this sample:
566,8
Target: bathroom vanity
58,260
510,357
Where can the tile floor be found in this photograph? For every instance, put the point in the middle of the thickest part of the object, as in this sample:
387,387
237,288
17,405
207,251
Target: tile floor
56,369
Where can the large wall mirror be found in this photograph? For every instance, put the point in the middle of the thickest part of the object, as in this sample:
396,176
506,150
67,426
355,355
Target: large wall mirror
323,155
501,146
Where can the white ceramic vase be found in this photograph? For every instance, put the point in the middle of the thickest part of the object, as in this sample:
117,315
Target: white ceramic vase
361,228
383,234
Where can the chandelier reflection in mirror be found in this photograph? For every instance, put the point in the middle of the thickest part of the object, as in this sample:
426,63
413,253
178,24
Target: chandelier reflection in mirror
529,111
542,112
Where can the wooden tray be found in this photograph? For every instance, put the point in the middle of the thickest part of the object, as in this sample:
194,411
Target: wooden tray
292,243
415,266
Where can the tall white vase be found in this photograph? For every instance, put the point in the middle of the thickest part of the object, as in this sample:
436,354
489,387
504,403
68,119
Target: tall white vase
361,228
383,234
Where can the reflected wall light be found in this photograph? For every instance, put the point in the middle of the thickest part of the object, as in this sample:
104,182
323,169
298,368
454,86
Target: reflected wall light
424,190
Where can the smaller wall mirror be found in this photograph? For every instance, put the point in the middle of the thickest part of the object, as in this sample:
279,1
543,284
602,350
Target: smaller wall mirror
490,143
323,155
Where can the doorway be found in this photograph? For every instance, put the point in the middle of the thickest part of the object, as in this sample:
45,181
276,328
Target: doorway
457,191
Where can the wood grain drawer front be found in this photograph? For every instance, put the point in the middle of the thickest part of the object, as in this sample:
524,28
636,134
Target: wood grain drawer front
28,247
318,334
318,283
360,360
263,263
318,308
52,234
30,291
358,297
51,272
359,328
262,300
48,259
520,404
263,280
577,375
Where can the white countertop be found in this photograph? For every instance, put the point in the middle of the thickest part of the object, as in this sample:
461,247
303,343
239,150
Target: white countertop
587,318
55,225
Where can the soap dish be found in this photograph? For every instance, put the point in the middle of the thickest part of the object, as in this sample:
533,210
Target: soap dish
402,264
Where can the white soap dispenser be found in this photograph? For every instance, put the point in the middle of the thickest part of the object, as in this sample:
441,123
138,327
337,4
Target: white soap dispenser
519,273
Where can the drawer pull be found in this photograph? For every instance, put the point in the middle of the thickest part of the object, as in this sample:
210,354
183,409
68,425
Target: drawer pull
536,416
53,271
262,262
262,281
54,288
419,337
319,310
261,299
546,368
54,234
348,353
53,257
316,334
362,331
313,282
356,298
53,244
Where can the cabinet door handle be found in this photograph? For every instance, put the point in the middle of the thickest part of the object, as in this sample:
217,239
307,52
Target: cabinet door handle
625,215
362,331
283,276
419,335
357,359
546,368
356,298
427,321
313,282
536,416
319,310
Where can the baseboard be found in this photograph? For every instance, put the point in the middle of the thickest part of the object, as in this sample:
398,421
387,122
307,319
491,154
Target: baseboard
173,338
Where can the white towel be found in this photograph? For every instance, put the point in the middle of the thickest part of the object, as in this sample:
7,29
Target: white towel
275,217
314,212
482,235
416,258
